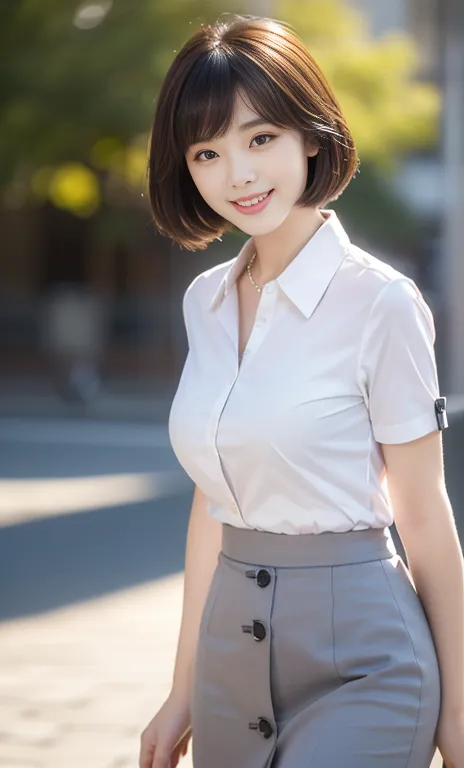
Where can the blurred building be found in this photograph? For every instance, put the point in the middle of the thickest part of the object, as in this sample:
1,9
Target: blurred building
64,287
135,280
418,180
433,183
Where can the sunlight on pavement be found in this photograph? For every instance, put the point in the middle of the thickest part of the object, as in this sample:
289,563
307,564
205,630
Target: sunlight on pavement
24,500
79,684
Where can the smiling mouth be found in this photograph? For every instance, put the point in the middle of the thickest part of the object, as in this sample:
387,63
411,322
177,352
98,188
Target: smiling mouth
253,201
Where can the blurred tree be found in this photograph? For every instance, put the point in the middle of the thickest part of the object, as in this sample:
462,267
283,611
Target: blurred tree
77,89
390,111
78,84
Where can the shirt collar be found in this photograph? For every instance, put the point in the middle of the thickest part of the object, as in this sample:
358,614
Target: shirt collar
308,275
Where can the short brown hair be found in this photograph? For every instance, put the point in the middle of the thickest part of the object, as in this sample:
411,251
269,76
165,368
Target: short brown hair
268,64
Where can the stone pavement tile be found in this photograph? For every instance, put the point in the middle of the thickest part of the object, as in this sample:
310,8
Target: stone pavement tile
20,764
12,712
88,756
16,674
28,731
125,712
79,684
73,747
60,692
15,754
90,749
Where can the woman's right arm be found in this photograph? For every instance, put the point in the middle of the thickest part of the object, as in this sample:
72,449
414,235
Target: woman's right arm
167,735
204,539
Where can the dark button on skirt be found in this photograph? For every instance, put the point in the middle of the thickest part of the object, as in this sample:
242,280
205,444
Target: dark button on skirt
263,578
344,671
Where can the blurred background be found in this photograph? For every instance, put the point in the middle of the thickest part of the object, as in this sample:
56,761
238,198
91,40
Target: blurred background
93,505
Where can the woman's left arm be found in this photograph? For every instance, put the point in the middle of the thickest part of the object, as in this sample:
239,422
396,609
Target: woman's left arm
425,523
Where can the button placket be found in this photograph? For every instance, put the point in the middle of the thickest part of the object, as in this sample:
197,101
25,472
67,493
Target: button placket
260,329
261,324
214,428
260,630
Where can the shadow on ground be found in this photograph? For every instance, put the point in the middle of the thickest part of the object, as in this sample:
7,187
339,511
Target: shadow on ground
57,561
49,563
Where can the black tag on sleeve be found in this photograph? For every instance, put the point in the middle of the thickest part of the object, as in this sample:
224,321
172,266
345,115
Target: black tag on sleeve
440,412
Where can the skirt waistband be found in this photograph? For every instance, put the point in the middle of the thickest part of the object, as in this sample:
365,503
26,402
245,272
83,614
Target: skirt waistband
307,549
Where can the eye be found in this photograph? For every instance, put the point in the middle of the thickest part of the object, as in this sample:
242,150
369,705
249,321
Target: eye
263,138
205,152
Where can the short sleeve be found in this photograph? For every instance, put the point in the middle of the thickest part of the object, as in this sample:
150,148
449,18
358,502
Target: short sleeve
397,368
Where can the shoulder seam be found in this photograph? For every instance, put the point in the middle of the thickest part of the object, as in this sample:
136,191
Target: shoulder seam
384,289
387,271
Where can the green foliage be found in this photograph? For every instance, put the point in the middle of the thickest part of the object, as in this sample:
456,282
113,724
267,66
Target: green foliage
64,87
78,85
389,111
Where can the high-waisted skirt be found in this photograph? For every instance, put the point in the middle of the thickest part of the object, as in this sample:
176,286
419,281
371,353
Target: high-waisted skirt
314,652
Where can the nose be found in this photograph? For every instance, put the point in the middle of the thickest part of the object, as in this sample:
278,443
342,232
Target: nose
241,172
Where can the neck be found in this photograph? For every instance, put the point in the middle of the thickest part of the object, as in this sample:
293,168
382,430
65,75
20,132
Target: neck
276,250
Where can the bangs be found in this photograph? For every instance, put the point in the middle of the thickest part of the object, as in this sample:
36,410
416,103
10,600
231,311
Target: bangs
206,104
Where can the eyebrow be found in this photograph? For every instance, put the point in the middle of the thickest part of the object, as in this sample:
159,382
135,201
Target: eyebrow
253,124
242,128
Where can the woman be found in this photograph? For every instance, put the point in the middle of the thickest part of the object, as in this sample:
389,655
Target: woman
305,640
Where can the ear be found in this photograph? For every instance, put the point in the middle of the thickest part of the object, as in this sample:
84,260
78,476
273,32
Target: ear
311,145
312,149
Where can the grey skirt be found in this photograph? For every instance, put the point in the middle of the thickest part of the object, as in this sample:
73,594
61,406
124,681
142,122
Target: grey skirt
314,652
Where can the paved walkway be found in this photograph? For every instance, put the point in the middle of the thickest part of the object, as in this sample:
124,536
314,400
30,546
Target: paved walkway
78,685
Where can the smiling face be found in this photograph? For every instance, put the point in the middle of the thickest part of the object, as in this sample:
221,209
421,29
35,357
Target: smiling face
200,162
254,174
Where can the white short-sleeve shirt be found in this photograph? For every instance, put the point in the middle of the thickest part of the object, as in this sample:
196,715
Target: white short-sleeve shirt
340,359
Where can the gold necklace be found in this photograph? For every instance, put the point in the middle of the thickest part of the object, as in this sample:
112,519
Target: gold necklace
249,265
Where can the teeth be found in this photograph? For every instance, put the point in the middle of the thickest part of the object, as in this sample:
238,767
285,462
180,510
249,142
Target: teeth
253,201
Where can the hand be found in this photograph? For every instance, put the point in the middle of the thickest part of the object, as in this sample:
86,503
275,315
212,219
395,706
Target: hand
449,739
167,735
